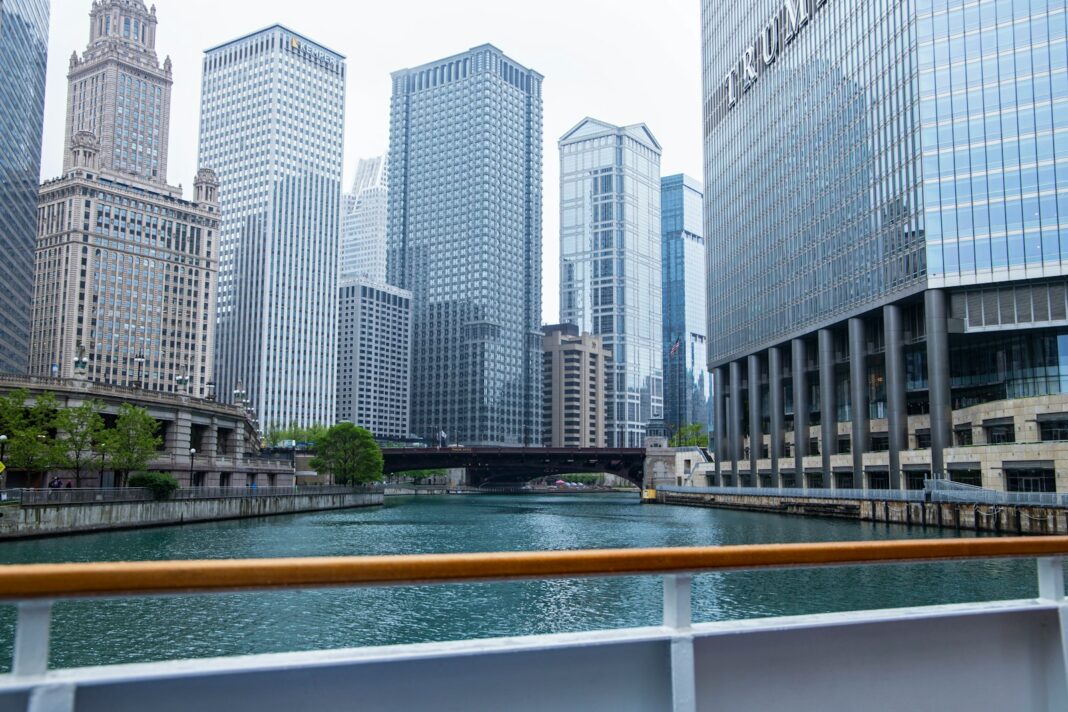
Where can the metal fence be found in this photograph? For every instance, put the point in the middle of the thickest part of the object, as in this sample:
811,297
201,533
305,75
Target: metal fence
801,493
30,497
957,492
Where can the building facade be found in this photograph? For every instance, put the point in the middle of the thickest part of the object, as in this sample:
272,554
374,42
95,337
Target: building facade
23,55
271,118
687,383
575,388
118,91
363,227
374,343
464,236
897,309
126,268
610,269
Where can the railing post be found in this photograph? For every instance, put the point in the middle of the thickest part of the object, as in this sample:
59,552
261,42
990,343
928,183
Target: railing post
1051,588
31,638
678,618
1051,578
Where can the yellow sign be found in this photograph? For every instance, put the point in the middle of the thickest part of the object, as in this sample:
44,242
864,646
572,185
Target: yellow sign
2,468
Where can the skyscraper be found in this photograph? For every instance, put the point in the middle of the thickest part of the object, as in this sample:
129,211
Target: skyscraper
465,238
610,263
126,268
374,356
575,386
118,91
887,214
363,227
23,54
687,383
271,121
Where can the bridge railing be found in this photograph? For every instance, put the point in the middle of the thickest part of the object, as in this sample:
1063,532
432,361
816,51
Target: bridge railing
95,495
34,588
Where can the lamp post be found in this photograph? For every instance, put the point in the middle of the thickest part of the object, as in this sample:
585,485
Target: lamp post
192,454
139,359
183,381
81,363
240,393
210,385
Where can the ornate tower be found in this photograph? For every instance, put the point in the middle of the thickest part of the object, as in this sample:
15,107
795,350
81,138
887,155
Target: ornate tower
119,92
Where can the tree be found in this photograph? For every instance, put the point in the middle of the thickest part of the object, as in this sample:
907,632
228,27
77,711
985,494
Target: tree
83,427
690,435
31,444
423,475
348,453
161,484
132,442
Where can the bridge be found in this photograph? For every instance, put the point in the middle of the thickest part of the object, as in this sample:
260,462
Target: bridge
506,465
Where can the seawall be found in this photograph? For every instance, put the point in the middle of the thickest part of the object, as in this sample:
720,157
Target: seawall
996,518
19,521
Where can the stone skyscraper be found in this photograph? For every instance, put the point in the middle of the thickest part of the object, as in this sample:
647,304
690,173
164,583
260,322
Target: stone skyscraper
126,274
118,91
272,112
465,238
610,263
23,51
363,227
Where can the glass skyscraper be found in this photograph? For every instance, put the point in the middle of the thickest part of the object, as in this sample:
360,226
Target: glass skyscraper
610,263
363,226
464,236
271,122
887,215
687,383
23,54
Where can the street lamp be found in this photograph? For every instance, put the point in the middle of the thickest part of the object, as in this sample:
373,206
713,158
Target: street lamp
192,454
81,363
183,381
210,385
240,393
139,359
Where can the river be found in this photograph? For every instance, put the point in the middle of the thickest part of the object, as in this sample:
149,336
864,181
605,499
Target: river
134,630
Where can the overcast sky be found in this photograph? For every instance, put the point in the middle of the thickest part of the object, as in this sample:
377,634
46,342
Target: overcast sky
621,62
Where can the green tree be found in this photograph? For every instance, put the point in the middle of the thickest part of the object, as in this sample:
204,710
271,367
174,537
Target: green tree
132,442
276,434
690,435
422,475
348,453
31,445
82,427
162,484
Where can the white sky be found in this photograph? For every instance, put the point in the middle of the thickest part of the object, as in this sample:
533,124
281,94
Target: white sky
615,60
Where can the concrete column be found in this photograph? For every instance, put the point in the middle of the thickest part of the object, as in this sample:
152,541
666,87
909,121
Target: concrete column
178,435
209,443
756,437
736,417
719,418
858,389
934,302
828,407
775,410
896,415
797,356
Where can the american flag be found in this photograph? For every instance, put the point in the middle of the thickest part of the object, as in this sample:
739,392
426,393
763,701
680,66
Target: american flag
674,348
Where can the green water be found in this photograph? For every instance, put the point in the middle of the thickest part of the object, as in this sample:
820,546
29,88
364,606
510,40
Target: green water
132,630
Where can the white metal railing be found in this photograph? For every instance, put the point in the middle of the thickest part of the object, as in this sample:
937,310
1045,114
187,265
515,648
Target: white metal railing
803,493
35,588
92,495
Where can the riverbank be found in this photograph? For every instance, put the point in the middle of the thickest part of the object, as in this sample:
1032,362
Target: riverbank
994,518
21,521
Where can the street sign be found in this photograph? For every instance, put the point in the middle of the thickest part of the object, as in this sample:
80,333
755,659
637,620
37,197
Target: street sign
2,468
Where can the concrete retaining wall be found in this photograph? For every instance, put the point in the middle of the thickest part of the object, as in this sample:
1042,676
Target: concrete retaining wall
1005,519
17,521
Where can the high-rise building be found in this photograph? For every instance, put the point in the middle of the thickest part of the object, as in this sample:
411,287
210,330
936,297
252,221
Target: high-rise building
575,388
271,120
126,268
887,215
118,91
23,54
363,227
610,263
374,343
465,239
687,383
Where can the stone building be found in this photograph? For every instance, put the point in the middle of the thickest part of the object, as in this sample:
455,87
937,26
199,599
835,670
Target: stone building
575,388
126,268
205,443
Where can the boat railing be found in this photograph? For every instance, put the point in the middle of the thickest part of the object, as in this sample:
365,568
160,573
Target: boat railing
802,493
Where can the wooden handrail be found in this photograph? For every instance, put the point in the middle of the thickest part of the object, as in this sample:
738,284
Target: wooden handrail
75,580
